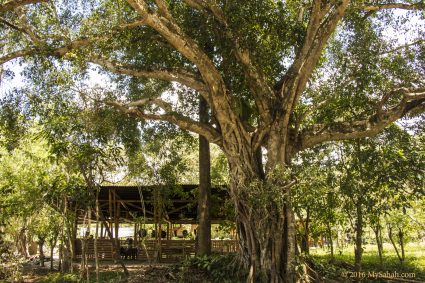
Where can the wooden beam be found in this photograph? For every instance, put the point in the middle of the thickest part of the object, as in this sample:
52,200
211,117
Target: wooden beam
110,210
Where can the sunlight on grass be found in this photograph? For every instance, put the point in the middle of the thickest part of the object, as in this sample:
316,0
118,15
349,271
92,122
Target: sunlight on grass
414,262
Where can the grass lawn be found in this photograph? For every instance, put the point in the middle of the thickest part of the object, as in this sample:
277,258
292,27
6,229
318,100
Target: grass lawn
414,262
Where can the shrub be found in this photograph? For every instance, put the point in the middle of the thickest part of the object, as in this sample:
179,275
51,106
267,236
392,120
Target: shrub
216,268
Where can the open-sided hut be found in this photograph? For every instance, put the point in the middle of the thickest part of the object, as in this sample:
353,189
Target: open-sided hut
164,209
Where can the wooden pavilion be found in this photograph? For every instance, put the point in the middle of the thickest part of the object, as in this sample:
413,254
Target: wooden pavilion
164,209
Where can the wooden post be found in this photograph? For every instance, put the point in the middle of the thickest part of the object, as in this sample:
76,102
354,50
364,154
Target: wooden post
204,199
169,228
117,221
115,206
110,210
96,253
101,229
135,233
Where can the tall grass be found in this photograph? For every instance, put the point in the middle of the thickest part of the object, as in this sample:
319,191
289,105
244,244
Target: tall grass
414,261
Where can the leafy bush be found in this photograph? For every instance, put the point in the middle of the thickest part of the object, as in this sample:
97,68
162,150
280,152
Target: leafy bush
217,268
60,278
10,267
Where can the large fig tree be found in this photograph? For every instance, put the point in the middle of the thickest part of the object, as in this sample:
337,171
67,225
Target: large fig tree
278,77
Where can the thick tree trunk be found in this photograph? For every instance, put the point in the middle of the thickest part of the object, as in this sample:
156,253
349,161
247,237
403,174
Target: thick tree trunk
204,200
358,250
265,223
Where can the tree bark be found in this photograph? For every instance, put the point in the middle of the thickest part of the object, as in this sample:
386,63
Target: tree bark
41,251
96,254
331,244
378,236
358,250
53,242
66,238
264,219
391,237
21,242
401,240
204,200
60,255
83,263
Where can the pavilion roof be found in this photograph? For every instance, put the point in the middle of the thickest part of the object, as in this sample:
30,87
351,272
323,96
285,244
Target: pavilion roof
179,202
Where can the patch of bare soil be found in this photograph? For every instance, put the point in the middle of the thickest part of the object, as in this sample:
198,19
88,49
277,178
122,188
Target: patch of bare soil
166,274
32,272
155,273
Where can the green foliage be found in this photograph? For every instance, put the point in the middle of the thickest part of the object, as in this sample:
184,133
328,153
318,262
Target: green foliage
61,278
105,276
219,167
382,174
13,123
360,66
334,267
269,192
218,268
10,268
45,224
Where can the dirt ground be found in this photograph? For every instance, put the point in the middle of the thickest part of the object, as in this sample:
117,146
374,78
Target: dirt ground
139,272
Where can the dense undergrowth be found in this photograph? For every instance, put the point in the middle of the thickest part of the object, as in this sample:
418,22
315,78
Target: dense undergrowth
217,268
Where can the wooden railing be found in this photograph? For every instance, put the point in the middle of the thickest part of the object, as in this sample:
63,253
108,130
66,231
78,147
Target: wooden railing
224,246
165,251
104,249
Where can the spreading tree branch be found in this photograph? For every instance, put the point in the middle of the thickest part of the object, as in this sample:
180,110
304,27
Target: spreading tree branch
412,100
323,21
12,26
134,109
405,6
177,75
11,5
70,45
218,94
407,45
324,17
260,89
174,35
60,51
32,34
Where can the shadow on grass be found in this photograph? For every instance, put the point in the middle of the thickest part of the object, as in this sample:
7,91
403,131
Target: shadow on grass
104,276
